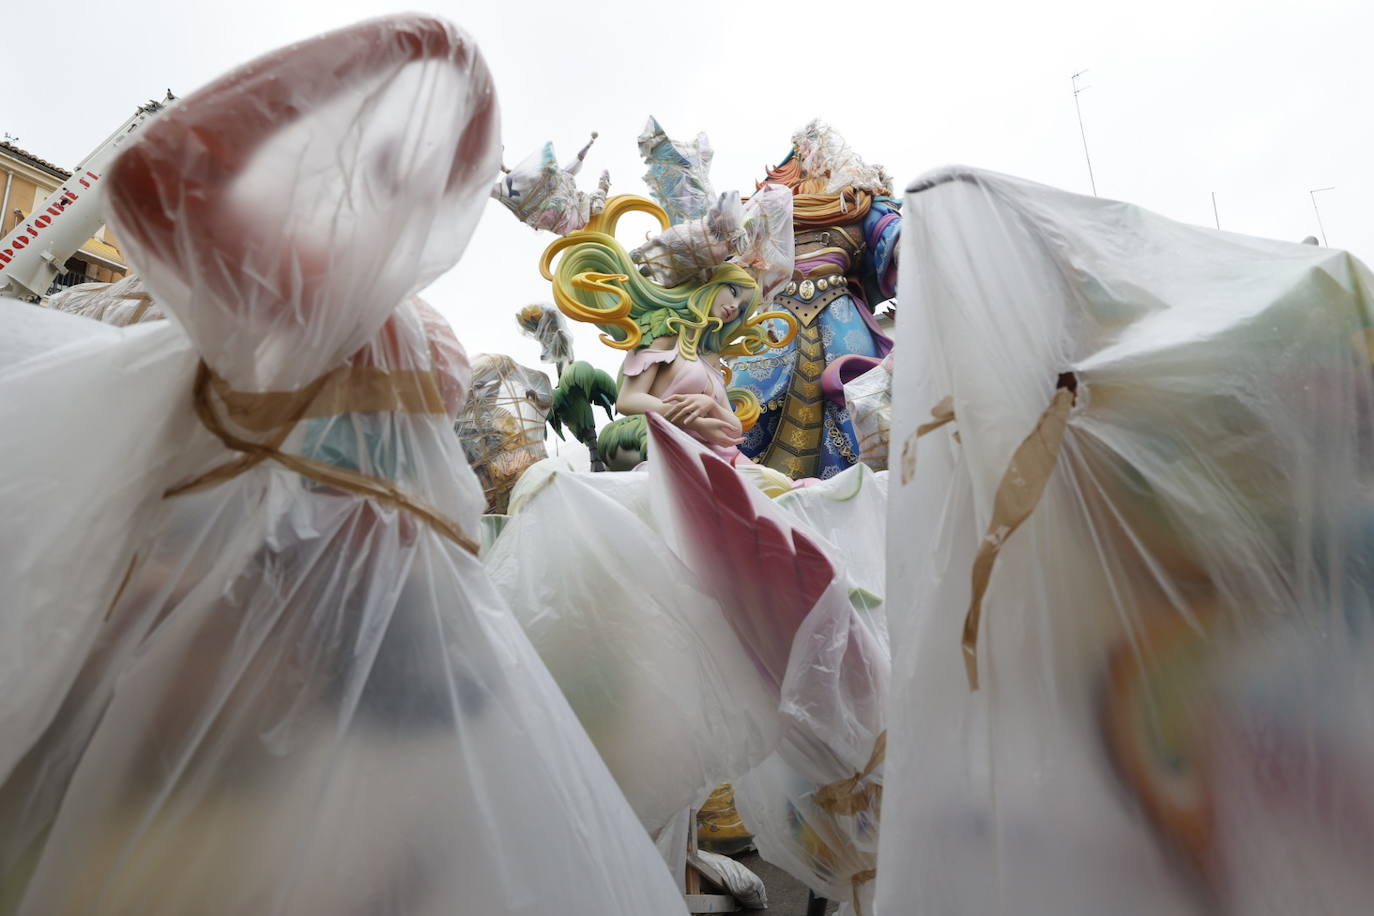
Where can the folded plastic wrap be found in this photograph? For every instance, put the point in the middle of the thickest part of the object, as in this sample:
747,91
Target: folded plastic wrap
501,426
1164,652
825,156
768,246
868,399
792,829
648,662
248,660
849,511
544,195
121,303
813,639
756,234
546,324
679,175
690,250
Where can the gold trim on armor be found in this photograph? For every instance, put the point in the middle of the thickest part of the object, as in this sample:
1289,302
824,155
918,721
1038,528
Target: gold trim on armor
796,446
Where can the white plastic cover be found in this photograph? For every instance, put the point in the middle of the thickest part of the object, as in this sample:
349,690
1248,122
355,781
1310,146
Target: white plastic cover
868,399
814,641
121,303
690,250
543,195
270,693
824,154
501,426
679,175
647,660
546,324
1152,732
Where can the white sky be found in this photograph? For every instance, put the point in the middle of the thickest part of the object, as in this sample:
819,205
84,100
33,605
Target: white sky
1186,98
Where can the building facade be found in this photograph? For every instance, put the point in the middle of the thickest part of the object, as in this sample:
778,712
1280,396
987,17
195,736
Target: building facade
25,182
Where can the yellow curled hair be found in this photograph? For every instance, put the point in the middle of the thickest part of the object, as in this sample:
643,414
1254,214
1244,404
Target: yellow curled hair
606,303
758,341
596,281
746,407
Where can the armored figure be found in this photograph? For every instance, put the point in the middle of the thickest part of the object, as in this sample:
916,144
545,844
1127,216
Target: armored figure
846,227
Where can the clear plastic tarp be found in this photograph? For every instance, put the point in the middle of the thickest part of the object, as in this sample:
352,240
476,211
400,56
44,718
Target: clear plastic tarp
249,661
121,303
646,658
1157,476
501,425
817,643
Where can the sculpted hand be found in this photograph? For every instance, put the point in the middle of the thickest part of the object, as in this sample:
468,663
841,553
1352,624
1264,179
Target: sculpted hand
718,432
684,408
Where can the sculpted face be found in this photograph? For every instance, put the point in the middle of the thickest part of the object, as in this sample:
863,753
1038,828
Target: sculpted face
730,299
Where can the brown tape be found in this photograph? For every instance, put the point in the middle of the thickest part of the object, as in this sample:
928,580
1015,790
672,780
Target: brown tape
347,389
277,412
144,301
1018,494
943,413
845,796
858,881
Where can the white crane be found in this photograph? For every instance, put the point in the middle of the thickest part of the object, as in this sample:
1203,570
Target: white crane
32,255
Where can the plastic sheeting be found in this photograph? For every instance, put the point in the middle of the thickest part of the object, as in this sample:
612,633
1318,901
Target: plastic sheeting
544,196
269,692
757,234
813,641
502,424
546,324
868,399
679,175
647,660
121,303
777,801
1165,719
677,684
825,155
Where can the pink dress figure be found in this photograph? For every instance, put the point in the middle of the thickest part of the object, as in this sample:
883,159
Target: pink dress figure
689,393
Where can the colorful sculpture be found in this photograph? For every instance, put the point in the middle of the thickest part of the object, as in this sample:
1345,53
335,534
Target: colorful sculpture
846,229
676,336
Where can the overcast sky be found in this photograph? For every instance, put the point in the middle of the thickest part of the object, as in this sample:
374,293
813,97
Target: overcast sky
1186,98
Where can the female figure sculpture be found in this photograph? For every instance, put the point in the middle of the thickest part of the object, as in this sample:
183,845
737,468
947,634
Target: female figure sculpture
675,337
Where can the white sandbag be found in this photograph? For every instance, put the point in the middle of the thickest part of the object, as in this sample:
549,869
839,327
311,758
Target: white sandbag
735,879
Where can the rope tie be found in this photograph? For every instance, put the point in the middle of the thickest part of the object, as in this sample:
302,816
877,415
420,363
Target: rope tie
346,389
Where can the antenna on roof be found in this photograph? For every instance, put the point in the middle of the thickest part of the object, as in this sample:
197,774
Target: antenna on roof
1076,90
1313,194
